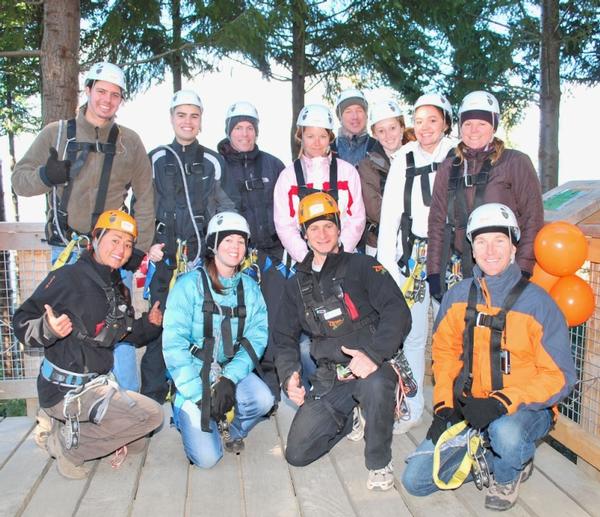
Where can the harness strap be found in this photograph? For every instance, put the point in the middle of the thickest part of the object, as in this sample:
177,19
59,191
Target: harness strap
497,325
303,190
62,377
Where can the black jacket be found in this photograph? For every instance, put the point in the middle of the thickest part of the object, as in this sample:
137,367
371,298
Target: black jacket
73,290
371,289
246,173
204,171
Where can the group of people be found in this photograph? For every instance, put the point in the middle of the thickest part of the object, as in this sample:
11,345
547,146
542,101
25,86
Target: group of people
302,281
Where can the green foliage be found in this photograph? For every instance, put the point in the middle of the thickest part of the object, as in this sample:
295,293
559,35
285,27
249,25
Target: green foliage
19,77
16,407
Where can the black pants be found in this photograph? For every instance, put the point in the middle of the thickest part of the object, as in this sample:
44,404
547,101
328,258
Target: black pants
326,417
154,372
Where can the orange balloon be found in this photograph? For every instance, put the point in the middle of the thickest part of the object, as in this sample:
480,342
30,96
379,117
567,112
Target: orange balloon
575,298
545,280
560,248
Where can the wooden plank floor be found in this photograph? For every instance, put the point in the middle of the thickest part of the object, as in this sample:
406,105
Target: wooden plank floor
259,483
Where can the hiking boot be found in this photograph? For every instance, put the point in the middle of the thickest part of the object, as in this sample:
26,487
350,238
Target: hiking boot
65,467
527,471
403,426
502,497
42,429
235,446
358,426
381,479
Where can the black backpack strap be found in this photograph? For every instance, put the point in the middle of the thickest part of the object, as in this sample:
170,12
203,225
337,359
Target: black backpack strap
300,181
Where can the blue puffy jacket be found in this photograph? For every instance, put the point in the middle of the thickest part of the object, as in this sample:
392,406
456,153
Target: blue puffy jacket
184,324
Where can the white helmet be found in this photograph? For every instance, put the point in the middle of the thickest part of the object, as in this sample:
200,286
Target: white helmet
384,109
186,97
315,115
349,97
242,109
480,101
106,72
229,222
434,99
493,217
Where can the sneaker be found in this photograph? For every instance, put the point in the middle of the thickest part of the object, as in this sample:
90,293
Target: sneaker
527,471
502,497
42,429
358,426
403,426
235,446
381,479
65,467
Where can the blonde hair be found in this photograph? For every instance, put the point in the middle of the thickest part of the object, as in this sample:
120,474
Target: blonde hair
298,138
497,143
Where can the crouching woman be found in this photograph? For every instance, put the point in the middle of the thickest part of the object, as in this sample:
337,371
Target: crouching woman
78,314
215,331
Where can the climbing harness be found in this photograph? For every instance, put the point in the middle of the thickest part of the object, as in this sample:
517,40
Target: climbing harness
414,287
473,462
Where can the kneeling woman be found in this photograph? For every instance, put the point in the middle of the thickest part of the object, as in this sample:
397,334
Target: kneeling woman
215,330
77,314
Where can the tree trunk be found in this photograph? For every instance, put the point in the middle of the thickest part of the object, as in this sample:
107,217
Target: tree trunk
298,66
176,59
60,60
549,93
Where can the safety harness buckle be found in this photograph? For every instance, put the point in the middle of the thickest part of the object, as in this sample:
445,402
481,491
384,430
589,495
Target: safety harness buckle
469,180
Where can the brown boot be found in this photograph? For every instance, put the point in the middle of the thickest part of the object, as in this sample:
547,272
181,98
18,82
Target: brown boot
42,429
65,467
502,497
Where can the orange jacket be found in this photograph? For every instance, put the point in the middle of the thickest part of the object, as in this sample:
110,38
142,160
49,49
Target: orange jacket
542,371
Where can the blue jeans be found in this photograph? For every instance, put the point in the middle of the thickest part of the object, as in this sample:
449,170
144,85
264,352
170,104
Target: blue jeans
253,400
512,444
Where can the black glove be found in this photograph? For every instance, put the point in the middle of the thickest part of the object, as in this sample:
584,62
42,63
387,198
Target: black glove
481,412
435,286
135,260
55,172
222,398
526,274
441,419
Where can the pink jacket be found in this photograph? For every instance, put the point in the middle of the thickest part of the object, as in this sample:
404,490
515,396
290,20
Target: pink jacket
316,173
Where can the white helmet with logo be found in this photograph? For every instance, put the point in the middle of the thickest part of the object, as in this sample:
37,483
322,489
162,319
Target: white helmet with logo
480,102
350,97
223,224
106,72
384,109
315,115
186,97
493,217
242,109
434,99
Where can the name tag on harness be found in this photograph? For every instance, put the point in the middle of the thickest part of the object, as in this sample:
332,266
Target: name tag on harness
332,314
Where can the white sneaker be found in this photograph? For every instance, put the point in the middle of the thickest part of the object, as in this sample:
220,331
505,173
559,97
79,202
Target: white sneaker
381,479
358,425
403,426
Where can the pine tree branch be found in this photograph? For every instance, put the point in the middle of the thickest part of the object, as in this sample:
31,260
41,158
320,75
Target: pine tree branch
20,53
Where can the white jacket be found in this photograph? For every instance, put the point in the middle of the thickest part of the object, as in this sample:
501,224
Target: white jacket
389,243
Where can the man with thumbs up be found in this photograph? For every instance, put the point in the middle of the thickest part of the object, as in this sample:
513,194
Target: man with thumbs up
357,319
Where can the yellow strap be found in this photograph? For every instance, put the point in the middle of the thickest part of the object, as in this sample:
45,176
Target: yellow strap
179,263
63,258
409,284
250,260
463,470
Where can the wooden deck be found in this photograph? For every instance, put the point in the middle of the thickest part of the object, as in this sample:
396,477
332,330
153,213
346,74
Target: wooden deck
259,483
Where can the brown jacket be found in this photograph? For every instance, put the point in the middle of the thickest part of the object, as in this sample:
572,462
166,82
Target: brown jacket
131,167
512,181
373,171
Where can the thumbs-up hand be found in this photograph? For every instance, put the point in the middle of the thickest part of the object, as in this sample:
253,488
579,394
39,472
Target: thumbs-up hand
361,364
295,389
61,325
155,316
156,253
